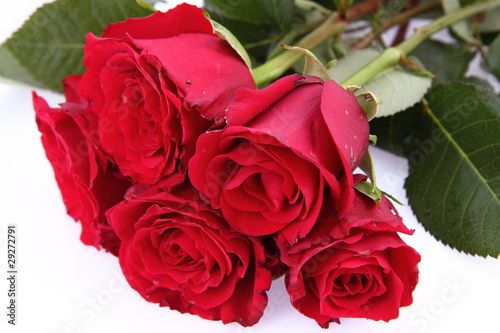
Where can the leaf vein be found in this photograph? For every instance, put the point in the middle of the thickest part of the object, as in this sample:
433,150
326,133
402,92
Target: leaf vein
457,147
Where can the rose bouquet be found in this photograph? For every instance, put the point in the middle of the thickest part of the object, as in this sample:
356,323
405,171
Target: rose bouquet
208,180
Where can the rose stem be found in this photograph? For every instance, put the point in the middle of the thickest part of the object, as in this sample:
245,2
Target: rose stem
395,20
403,27
334,24
392,55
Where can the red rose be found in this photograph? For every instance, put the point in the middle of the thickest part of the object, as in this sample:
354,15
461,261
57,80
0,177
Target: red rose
357,266
89,183
181,254
154,84
284,146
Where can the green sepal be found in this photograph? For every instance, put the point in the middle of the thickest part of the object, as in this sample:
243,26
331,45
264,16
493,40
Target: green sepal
225,34
312,66
369,190
368,168
369,103
146,5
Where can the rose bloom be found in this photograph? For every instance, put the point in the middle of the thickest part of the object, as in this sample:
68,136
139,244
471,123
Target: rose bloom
285,146
88,181
357,266
154,84
180,253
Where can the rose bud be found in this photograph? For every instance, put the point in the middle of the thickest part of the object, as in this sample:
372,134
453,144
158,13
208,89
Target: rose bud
180,253
357,266
89,183
154,84
285,146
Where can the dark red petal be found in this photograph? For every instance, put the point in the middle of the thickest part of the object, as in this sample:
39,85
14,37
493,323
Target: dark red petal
207,89
184,18
209,184
404,262
247,104
242,198
246,305
71,85
370,215
249,223
304,299
123,212
213,296
347,122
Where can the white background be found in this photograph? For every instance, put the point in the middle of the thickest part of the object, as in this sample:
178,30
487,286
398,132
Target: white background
64,286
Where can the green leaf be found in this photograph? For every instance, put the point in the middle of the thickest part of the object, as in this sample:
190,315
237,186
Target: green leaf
320,6
11,68
397,132
49,46
395,88
478,82
494,57
491,23
461,28
416,66
288,39
351,63
446,61
246,10
279,12
487,38
454,181
328,4
343,3
256,37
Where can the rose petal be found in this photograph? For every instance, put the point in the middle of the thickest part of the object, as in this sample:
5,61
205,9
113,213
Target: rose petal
203,89
162,24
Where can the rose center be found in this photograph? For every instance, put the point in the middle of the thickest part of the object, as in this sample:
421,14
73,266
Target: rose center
179,249
352,283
